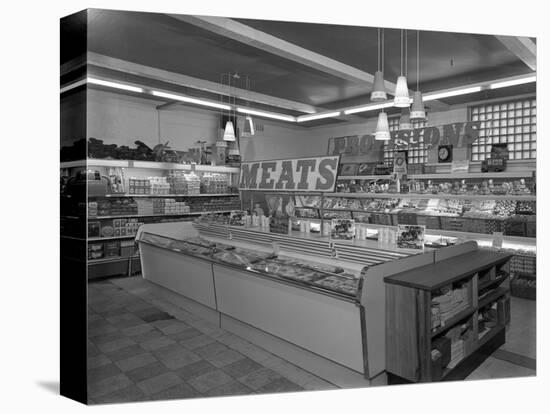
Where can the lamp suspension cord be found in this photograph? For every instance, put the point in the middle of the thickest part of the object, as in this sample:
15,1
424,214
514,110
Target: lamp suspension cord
417,59
406,53
378,49
382,65
401,56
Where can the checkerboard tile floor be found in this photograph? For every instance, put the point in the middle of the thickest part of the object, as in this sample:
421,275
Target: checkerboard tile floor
140,348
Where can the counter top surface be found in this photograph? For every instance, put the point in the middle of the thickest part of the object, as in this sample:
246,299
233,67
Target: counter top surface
444,272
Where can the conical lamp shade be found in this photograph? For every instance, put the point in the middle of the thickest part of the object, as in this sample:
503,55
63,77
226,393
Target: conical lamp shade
401,98
382,128
229,134
378,91
405,120
248,128
417,110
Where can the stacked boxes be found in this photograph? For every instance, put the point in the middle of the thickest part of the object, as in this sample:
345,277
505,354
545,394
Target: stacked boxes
145,206
127,248
177,182
193,183
92,209
159,186
215,204
214,183
111,249
139,185
122,207
95,251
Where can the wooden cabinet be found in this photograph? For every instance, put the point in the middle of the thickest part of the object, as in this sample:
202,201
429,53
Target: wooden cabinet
443,319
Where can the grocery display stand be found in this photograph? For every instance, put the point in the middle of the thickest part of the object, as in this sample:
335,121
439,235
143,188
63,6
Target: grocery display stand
129,263
419,347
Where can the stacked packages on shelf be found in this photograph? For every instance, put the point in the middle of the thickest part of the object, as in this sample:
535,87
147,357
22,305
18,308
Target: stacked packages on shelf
113,228
145,206
139,185
448,304
214,183
181,182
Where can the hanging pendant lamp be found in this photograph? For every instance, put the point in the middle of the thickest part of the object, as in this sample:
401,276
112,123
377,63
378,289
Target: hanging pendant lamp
382,132
248,127
417,110
401,97
405,120
229,133
378,90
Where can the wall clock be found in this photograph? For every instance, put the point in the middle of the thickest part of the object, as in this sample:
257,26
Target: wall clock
445,153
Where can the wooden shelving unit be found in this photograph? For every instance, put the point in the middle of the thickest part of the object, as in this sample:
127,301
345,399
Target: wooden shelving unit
412,337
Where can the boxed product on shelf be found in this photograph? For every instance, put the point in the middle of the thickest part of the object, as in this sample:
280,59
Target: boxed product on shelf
107,229
139,185
144,206
452,223
94,228
127,248
430,221
159,186
95,251
524,286
214,183
516,226
92,209
111,249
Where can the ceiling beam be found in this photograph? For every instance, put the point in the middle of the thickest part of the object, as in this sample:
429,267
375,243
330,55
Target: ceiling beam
523,47
110,63
245,34
106,62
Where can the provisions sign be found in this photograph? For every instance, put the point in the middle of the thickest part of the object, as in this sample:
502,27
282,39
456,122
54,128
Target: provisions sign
300,174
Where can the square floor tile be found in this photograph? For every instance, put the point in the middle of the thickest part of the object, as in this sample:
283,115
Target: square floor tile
179,391
128,394
231,388
147,371
137,329
98,361
157,343
195,369
125,353
173,328
159,383
136,361
108,385
279,385
102,372
103,328
241,367
224,358
186,334
197,342
210,350
210,380
159,316
115,345
147,336
259,378
175,357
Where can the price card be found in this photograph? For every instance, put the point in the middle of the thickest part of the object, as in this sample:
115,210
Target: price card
497,239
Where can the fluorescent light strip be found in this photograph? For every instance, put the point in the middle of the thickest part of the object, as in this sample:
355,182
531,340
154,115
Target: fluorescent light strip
280,117
115,85
190,100
73,85
448,94
512,82
366,108
313,117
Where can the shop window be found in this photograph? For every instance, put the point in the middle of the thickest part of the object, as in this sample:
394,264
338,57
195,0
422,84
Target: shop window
512,122
417,153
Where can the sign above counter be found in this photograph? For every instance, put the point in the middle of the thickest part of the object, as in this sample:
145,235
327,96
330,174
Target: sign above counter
299,174
458,134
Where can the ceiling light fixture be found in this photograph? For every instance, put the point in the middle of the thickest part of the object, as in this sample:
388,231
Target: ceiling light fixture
372,107
263,114
379,91
418,111
513,82
190,100
405,120
229,131
304,118
455,92
401,97
115,85
382,132
248,127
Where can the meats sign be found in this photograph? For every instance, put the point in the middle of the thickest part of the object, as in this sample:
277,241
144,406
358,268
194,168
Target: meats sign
301,174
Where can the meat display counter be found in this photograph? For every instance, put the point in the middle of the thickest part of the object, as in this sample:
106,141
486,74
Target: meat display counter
315,307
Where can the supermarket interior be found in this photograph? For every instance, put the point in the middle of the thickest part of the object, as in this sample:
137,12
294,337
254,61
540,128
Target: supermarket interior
248,208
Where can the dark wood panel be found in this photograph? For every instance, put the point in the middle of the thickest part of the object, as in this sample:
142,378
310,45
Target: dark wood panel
447,271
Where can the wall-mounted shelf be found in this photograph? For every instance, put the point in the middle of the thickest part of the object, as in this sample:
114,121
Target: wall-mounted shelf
436,196
148,165
194,213
164,195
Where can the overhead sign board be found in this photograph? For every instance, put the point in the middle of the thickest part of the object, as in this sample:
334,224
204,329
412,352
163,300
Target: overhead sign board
300,174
